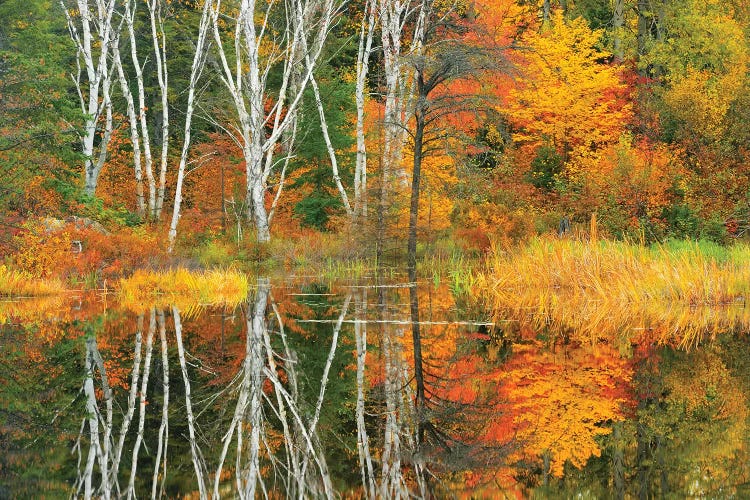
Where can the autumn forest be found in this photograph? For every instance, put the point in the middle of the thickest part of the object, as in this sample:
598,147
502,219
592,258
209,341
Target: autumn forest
374,248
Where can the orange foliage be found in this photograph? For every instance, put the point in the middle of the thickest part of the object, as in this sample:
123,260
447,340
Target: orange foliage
559,403
43,253
116,185
638,177
218,157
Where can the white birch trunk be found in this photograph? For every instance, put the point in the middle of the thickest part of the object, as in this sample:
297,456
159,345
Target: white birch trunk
195,452
363,440
104,458
160,58
195,74
142,407
93,33
142,107
392,12
256,329
329,147
125,427
307,25
618,23
161,450
328,488
134,132
92,411
367,31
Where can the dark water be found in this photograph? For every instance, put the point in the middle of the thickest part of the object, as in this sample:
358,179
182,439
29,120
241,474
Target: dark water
318,389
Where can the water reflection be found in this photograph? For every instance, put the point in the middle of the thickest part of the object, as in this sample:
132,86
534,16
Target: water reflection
311,389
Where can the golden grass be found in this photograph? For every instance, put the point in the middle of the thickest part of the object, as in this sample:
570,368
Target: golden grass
14,283
183,288
677,293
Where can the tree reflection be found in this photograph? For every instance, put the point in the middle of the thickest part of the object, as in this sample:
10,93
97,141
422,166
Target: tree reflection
314,392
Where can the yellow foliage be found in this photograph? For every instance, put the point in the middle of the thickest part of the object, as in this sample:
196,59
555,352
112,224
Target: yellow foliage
703,391
41,253
566,97
437,178
562,401
703,58
701,99
183,288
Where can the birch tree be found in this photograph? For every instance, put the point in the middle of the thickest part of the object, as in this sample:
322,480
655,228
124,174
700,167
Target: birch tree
91,28
263,113
397,97
159,41
196,70
137,109
366,35
135,134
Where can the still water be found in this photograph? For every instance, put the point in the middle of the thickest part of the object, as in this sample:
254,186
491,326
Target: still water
319,389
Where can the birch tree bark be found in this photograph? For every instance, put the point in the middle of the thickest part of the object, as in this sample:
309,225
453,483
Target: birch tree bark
91,28
399,91
135,136
142,405
366,34
159,41
263,113
195,452
142,123
363,440
161,450
125,426
618,23
196,69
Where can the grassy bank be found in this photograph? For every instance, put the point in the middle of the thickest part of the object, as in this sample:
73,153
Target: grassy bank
183,288
15,283
677,292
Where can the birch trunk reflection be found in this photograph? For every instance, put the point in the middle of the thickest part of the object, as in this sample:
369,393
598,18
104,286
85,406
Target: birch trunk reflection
131,400
163,439
271,441
142,407
395,386
194,449
261,389
363,440
256,327
249,399
92,419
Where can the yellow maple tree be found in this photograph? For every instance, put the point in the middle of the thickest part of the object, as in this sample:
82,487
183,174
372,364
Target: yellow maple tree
567,96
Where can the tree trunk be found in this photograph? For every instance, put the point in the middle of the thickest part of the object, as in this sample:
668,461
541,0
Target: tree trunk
142,407
195,73
645,20
194,448
618,462
618,21
419,111
160,59
257,208
363,63
161,450
94,95
134,133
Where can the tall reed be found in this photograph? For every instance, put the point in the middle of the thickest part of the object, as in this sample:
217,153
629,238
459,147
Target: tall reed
673,293
15,283
222,287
